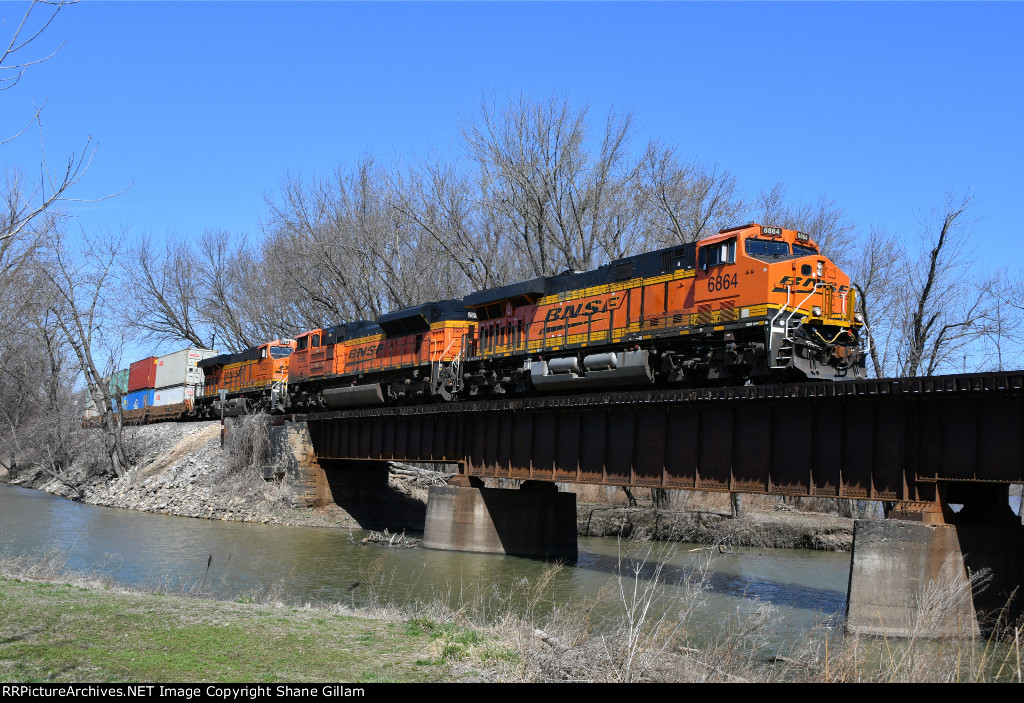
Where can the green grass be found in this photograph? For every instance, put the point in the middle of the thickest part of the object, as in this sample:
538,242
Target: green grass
58,633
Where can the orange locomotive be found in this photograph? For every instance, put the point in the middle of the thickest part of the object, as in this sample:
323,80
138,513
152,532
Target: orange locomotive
750,303
408,356
251,380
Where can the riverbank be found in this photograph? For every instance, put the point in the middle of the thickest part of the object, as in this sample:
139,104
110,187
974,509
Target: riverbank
91,632
59,627
181,469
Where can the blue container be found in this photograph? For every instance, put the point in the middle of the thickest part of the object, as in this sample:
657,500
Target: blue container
137,400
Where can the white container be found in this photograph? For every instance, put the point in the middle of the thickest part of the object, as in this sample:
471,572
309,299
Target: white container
173,395
179,368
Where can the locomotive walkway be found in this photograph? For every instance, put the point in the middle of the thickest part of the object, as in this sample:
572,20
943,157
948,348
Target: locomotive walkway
923,445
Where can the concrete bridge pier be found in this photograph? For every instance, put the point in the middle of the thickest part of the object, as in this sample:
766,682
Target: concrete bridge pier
911,575
532,521
293,460
907,579
359,486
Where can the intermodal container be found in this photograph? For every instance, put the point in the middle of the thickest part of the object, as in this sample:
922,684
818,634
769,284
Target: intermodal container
180,368
117,385
91,413
136,400
142,374
174,395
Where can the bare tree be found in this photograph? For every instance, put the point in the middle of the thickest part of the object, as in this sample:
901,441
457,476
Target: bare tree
80,283
827,222
53,431
358,243
565,206
444,203
228,275
684,202
168,303
878,279
1004,335
338,243
23,200
944,311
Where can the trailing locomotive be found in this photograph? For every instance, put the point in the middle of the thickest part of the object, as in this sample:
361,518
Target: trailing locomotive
751,304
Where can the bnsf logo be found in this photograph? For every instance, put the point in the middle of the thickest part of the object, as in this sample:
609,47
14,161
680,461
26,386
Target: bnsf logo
594,307
801,282
363,352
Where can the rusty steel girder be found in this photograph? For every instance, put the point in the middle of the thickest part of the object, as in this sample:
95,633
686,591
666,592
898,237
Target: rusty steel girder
880,439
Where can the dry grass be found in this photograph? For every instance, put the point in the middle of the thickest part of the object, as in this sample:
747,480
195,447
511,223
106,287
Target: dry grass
240,482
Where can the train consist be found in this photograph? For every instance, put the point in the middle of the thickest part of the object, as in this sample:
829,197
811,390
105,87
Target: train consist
751,304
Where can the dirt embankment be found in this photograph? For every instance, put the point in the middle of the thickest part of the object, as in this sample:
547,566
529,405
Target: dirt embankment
181,469
780,528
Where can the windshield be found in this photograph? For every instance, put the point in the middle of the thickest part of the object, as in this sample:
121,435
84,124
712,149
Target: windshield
765,247
280,352
800,250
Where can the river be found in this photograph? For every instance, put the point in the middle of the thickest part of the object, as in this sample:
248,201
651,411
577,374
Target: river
234,560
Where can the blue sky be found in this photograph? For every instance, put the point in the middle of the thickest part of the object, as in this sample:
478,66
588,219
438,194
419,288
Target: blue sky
202,108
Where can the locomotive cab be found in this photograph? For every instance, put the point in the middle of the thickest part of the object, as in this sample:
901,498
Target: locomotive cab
251,380
312,357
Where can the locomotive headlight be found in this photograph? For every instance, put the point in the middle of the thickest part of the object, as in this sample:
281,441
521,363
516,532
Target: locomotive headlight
816,311
821,268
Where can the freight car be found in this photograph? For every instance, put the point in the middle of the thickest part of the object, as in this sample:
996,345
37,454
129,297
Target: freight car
751,304
155,388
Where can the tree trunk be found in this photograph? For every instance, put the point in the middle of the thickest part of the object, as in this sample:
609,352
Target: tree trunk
737,505
659,497
847,507
629,495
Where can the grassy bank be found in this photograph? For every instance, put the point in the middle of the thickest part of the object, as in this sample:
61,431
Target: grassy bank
60,627
84,633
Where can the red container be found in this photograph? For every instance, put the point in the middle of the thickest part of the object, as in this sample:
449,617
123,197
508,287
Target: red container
142,374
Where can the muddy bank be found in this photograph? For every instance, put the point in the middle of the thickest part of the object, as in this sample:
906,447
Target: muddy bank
183,470
780,529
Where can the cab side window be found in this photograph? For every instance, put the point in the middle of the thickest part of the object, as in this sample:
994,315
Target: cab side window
718,254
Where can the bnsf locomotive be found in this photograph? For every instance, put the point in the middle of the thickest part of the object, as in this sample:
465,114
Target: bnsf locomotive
750,304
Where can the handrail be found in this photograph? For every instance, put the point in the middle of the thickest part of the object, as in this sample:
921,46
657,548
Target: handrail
797,308
782,309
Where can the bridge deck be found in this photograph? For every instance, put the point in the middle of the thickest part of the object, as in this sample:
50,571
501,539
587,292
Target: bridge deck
884,439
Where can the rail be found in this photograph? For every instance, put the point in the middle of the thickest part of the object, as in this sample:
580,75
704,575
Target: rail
1004,381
